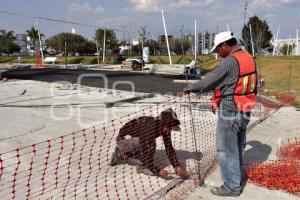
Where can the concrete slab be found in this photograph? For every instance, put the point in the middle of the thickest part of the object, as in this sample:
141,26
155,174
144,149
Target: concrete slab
33,111
184,81
262,144
154,68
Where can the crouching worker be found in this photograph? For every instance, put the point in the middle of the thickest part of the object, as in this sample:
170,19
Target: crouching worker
136,144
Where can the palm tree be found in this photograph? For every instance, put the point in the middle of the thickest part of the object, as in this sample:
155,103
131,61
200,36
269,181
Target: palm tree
8,35
33,34
6,39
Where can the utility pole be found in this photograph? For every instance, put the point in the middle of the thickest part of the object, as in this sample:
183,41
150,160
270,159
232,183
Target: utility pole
98,52
41,46
181,36
196,43
245,11
275,41
103,49
66,56
166,35
297,43
124,32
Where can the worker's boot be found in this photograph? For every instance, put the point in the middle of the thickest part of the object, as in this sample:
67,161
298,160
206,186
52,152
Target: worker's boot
118,157
223,191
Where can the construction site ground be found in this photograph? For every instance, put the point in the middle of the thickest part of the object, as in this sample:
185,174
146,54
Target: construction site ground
26,104
262,144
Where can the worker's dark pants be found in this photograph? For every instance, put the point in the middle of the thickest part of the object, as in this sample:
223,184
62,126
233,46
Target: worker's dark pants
231,142
129,150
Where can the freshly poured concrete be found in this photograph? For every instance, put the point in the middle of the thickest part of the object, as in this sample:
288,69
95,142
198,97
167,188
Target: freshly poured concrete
33,111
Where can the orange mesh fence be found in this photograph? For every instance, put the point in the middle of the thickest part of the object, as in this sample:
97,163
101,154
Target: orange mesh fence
288,98
78,165
282,174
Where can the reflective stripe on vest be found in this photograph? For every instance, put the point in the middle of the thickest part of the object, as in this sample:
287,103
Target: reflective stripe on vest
245,84
253,83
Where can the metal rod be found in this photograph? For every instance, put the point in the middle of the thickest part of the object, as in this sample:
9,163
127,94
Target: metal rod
40,41
288,47
104,41
252,45
166,35
275,41
194,133
98,52
195,41
66,59
297,43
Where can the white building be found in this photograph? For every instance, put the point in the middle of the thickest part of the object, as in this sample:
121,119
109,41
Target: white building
205,42
135,41
280,42
21,40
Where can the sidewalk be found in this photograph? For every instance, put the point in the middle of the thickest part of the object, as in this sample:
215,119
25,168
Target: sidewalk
262,143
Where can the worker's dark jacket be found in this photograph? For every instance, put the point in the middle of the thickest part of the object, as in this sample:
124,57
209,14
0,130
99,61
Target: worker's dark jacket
147,129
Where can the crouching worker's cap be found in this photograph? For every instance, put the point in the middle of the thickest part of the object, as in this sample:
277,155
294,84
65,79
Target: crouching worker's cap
169,119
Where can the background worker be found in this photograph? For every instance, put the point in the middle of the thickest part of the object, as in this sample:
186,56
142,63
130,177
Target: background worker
234,84
136,144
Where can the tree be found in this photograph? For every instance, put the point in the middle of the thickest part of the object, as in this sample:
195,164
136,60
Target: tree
33,34
7,44
143,33
287,49
181,46
74,43
135,49
110,37
153,45
260,33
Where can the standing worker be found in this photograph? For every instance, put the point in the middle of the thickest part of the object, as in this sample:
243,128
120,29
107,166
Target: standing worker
234,84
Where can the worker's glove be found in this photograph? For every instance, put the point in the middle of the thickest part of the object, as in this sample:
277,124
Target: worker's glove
180,171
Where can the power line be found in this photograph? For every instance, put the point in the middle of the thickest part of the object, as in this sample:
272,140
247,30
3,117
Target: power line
58,20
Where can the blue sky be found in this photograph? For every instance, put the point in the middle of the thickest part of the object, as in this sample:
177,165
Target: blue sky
211,15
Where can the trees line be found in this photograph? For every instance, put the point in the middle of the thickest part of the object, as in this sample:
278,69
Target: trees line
61,42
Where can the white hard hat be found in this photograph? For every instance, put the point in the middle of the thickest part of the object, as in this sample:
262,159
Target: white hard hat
220,38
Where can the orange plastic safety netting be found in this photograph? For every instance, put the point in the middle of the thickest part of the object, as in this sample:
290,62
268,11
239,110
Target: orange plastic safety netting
78,165
288,98
281,174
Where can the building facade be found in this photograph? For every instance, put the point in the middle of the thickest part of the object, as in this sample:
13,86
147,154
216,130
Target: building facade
279,43
21,40
205,42
163,41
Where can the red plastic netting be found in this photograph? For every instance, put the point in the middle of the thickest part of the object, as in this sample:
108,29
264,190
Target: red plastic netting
77,165
291,150
282,174
274,175
288,98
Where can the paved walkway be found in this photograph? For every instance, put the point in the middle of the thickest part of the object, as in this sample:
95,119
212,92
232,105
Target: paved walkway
262,144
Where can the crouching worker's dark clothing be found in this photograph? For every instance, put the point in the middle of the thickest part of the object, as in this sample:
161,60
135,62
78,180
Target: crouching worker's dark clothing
136,142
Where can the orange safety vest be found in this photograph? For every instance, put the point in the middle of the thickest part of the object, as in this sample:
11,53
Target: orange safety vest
245,90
